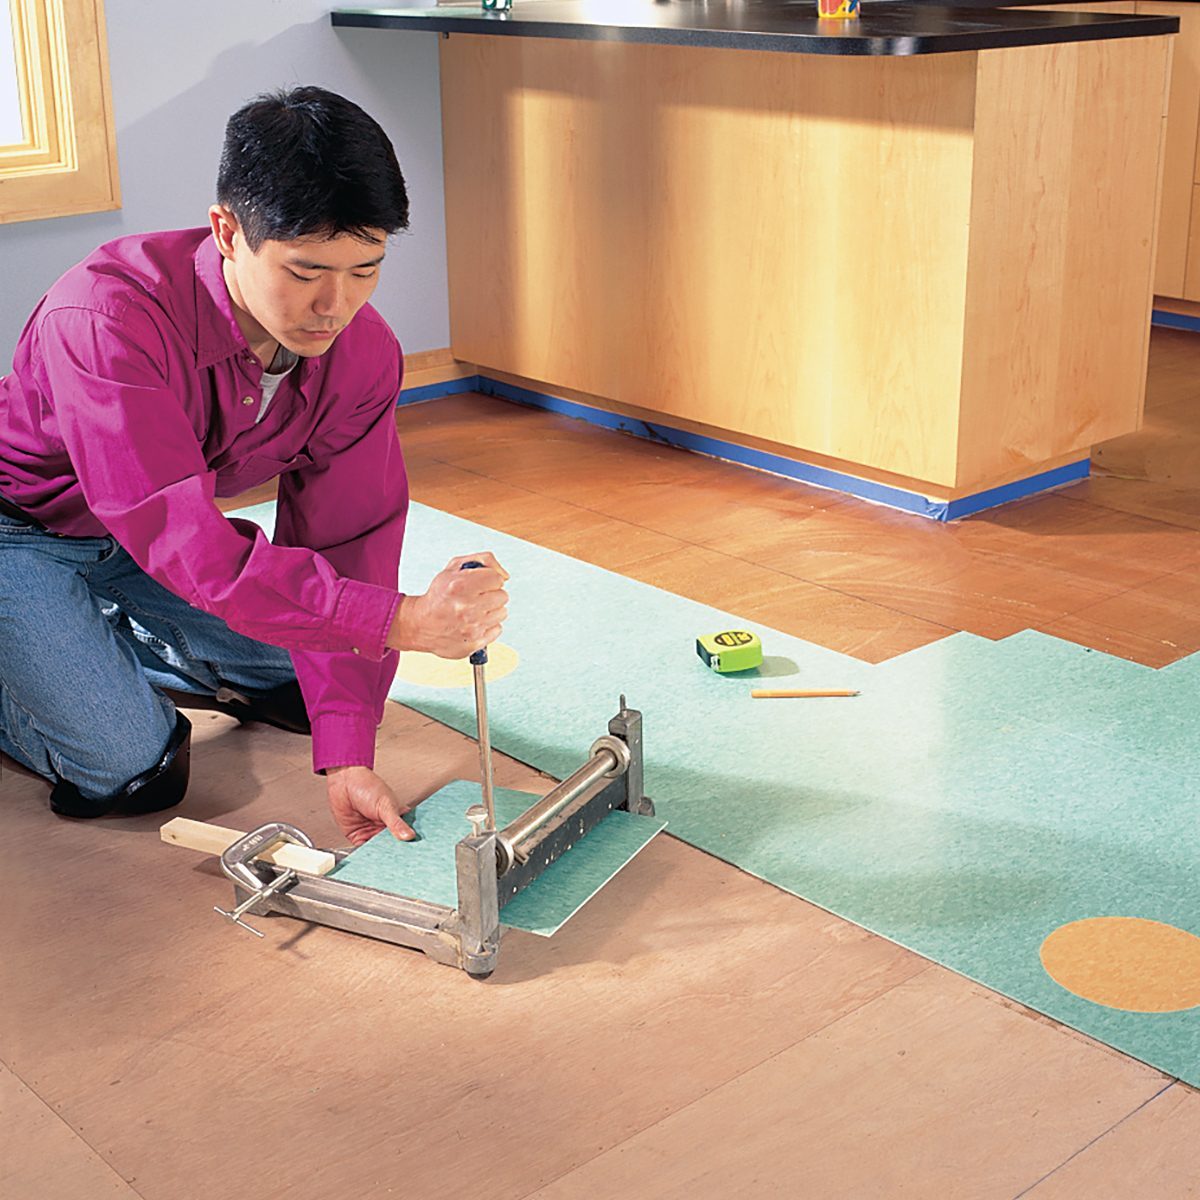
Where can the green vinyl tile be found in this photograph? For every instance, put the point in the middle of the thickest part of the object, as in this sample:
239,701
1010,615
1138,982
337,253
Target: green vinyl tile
975,798
424,869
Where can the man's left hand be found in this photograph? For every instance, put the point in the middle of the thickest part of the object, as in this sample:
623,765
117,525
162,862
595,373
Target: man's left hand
363,805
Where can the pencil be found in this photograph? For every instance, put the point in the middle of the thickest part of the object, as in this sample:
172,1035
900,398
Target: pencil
793,694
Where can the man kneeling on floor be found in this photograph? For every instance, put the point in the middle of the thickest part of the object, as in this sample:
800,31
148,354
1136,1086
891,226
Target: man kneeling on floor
171,368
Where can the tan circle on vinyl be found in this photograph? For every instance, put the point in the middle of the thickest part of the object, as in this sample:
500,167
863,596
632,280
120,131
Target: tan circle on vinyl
427,670
1127,963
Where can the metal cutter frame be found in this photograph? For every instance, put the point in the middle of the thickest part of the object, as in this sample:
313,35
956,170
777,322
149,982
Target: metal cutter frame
492,865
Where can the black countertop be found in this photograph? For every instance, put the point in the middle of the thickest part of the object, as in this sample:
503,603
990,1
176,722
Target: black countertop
789,26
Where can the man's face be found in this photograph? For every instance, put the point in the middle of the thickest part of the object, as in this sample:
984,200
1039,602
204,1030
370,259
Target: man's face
301,293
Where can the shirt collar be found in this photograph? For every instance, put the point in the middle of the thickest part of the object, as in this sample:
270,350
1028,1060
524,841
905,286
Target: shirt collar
218,335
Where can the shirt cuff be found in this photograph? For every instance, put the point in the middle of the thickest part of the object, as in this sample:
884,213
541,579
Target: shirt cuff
343,740
364,616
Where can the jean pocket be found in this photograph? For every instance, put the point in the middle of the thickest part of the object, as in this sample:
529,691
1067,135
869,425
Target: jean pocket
11,525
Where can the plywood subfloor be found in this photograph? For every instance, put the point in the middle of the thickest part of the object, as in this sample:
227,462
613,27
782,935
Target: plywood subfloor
693,1031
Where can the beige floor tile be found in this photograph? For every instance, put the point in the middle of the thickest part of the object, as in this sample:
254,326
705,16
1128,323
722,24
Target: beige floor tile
1080,539
1162,502
1156,623
1122,643
42,1159
925,1092
840,622
1152,1155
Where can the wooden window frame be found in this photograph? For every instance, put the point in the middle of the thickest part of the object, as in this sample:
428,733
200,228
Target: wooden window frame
68,161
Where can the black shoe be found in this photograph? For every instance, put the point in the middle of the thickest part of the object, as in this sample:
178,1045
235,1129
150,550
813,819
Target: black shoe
282,707
163,786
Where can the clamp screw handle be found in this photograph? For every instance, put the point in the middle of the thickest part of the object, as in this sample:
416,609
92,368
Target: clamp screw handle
280,880
478,817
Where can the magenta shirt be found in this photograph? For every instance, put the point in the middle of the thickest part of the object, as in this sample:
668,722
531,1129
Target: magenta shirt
132,404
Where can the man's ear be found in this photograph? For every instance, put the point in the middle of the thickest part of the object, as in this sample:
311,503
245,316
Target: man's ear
224,227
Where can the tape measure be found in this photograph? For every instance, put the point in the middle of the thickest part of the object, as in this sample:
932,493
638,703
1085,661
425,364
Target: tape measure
732,650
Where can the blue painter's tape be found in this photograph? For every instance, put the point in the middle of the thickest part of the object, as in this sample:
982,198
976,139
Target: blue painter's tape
838,481
431,391
964,506
1175,320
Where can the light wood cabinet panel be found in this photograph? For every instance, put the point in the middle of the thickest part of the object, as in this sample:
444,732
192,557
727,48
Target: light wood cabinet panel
1058,266
1179,156
936,266
1193,249
769,244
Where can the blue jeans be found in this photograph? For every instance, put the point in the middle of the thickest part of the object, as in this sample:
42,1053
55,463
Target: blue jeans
87,639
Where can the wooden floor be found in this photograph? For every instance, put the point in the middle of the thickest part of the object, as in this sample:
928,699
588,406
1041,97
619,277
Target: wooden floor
694,1032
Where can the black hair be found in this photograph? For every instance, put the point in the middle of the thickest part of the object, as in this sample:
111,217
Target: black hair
305,162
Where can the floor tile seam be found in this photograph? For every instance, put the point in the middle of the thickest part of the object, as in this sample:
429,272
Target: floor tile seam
1128,512
682,541
564,503
1103,1134
786,574
58,1117
1102,589
845,592
1125,591
823,586
712,1091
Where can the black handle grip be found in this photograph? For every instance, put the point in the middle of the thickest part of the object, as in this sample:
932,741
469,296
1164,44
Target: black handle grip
480,656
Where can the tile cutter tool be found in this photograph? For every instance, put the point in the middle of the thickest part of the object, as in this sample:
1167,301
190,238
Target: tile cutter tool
276,868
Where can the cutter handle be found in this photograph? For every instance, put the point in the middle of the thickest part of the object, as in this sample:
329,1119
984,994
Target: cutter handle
480,656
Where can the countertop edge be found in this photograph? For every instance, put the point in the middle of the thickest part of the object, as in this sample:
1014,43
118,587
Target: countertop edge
846,43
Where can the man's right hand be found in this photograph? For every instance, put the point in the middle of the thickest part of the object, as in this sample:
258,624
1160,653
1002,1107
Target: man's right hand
462,612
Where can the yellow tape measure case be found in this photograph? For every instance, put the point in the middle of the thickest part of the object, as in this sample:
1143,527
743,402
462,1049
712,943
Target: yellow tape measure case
731,650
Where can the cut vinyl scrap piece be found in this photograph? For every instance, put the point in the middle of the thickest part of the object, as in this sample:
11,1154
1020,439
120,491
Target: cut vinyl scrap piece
425,868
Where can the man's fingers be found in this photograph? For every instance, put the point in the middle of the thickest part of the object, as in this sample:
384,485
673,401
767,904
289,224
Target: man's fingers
400,828
484,556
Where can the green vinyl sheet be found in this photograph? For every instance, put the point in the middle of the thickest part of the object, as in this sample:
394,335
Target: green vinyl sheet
425,870
975,798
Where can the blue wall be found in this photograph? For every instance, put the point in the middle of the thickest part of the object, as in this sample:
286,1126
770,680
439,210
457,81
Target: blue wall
178,71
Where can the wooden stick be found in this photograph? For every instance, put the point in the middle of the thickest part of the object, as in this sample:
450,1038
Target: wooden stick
213,839
795,694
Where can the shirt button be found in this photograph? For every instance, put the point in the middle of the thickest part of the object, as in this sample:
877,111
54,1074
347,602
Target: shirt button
355,649
247,399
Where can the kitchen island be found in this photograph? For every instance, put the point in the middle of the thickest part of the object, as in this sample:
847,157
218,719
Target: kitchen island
909,256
